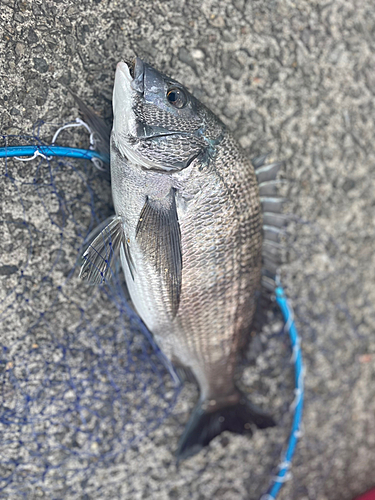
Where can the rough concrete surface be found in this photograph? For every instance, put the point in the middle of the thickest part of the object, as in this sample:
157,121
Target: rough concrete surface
297,79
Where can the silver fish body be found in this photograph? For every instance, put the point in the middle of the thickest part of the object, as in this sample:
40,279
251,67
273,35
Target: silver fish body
188,229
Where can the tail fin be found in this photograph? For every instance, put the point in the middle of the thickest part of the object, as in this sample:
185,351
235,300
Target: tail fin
208,421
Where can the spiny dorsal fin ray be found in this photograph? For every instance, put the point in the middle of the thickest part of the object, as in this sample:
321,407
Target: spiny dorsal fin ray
258,161
268,172
270,265
273,251
272,233
268,283
275,219
96,231
272,204
270,188
96,267
159,236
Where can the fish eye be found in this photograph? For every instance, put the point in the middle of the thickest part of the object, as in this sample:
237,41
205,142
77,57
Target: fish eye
177,97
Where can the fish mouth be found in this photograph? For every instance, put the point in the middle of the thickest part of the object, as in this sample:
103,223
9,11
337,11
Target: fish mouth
134,72
149,133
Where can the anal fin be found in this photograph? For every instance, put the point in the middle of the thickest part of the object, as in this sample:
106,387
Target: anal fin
185,374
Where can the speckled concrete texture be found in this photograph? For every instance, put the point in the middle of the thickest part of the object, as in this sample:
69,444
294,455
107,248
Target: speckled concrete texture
297,79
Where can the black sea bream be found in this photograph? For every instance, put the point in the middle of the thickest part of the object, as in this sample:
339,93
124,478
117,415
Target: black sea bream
189,233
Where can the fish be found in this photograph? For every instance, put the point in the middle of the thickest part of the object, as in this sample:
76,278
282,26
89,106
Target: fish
195,223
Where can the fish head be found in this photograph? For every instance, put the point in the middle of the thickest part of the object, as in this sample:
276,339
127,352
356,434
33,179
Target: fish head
158,124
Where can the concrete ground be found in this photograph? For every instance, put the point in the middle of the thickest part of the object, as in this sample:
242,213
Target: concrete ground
87,410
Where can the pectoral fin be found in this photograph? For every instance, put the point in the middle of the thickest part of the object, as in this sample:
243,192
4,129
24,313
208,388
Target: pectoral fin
96,267
159,236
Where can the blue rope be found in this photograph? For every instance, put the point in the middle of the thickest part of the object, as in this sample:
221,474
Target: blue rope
11,151
284,466
286,309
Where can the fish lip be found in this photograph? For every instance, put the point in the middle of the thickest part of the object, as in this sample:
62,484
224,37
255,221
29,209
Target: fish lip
123,115
123,68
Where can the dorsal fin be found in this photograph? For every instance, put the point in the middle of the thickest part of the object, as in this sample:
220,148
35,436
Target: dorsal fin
273,218
98,126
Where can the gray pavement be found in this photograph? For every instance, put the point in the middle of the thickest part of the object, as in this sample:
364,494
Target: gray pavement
297,79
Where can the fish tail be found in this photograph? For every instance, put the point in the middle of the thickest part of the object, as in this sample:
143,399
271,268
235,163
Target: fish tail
209,419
